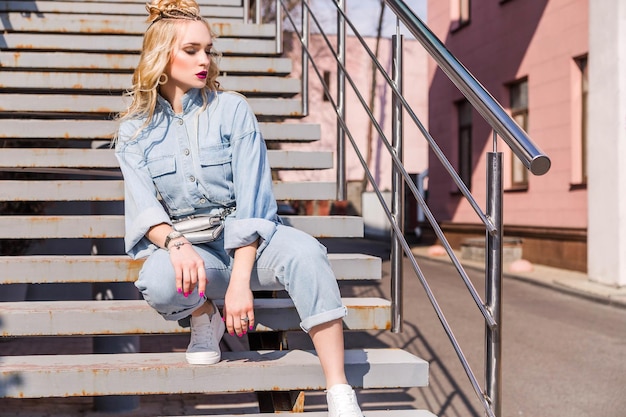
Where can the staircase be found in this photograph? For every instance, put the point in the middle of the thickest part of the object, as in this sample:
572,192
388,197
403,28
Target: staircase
63,68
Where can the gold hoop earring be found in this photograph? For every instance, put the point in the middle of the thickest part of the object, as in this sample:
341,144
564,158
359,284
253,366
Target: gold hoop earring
163,79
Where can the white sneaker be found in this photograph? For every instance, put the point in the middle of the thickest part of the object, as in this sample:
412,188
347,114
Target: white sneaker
342,402
206,333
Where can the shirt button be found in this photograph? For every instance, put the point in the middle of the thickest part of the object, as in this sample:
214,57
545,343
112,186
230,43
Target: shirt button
202,200
186,151
180,121
192,178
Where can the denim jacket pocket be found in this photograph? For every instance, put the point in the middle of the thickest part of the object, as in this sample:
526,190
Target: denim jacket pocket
163,173
217,173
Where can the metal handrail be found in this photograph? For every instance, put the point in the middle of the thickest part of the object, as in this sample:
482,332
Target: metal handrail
534,159
530,155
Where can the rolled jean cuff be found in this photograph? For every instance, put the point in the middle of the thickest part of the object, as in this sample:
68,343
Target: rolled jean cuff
179,315
325,317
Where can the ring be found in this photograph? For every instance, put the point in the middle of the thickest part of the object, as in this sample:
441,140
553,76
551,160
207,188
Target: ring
246,319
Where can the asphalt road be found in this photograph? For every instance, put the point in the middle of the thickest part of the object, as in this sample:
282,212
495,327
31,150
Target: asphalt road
562,355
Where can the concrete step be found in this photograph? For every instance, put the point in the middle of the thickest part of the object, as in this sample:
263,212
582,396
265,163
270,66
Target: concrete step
120,268
103,130
117,8
112,226
124,43
119,317
143,373
76,81
127,25
75,159
104,105
111,62
113,190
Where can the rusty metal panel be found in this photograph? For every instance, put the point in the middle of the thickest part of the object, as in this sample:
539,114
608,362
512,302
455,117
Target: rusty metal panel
112,190
301,159
117,317
101,190
105,158
99,81
104,129
61,103
85,23
126,43
308,190
144,373
356,266
57,129
68,269
120,268
327,226
113,104
40,7
61,227
112,226
82,60
57,157
291,132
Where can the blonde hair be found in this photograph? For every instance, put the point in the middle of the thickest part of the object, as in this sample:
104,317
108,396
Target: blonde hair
165,17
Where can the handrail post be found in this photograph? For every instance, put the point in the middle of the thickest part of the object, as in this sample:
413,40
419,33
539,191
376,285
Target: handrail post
397,190
493,283
257,12
305,57
341,101
246,11
279,25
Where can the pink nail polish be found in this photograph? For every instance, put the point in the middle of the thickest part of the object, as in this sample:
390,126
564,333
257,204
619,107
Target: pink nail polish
180,290
186,295
201,295
251,327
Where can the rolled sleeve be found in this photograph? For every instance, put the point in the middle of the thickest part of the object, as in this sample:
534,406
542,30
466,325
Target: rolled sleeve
142,207
246,231
256,214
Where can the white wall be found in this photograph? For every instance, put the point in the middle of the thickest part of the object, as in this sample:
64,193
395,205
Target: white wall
607,143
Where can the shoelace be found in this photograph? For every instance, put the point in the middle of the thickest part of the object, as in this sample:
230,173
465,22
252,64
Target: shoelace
202,335
344,404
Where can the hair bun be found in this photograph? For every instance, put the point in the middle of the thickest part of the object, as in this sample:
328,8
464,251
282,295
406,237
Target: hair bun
172,9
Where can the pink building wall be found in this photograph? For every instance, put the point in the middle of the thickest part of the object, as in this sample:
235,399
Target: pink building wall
505,42
322,112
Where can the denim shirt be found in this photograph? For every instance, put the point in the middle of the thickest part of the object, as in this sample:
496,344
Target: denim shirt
198,161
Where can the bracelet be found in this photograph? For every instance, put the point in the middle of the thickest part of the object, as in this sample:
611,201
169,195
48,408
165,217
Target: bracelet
177,245
174,234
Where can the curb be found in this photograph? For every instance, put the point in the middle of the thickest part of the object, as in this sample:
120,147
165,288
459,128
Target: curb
569,282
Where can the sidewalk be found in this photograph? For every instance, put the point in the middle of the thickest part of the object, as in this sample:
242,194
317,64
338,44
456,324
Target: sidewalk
571,282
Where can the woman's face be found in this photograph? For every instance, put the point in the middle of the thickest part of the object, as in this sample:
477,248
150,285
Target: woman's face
190,61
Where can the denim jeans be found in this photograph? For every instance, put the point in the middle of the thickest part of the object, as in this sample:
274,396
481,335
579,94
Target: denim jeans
292,260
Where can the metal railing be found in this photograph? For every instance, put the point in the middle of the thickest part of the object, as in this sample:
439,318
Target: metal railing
503,125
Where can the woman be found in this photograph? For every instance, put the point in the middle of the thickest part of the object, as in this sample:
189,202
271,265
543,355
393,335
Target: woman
185,148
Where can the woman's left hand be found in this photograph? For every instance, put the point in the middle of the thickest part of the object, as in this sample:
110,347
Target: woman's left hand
238,308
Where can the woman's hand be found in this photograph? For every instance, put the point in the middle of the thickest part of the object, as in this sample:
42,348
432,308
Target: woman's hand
238,305
188,267
239,301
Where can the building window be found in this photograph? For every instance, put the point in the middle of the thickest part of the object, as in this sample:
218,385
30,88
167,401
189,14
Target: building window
583,89
518,102
326,76
459,13
464,118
